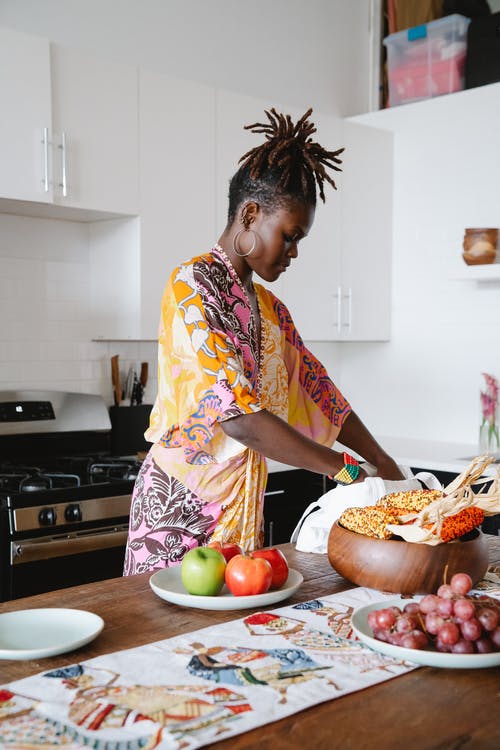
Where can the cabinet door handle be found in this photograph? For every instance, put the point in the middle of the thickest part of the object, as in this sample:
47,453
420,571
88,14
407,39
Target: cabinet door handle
348,297
271,530
339,310
64,181
45,142
274,492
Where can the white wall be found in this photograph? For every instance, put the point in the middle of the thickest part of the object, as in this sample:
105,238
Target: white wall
305,52
425,382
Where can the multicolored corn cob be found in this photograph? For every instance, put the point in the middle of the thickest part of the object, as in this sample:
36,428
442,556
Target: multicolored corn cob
461,523
370,521
412,501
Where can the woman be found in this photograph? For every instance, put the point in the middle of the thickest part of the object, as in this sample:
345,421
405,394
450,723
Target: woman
236,383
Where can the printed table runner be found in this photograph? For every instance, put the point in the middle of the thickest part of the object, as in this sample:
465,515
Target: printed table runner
200,687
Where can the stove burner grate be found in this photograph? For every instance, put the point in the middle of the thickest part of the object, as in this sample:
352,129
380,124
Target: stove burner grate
113,469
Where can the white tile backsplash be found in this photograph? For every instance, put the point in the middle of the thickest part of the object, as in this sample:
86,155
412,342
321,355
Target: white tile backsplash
45,328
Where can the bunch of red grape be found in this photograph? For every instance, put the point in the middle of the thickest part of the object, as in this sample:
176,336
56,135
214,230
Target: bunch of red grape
446,621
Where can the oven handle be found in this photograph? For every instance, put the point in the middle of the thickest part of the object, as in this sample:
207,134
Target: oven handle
30,550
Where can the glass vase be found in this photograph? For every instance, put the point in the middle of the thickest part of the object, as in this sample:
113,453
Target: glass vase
489,441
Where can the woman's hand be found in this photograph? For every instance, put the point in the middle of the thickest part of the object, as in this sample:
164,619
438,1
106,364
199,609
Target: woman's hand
355,435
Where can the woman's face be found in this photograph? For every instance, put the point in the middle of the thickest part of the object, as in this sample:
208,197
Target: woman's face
278,235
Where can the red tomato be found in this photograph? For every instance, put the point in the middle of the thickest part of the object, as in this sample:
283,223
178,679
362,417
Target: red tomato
278,563
226,549
247,575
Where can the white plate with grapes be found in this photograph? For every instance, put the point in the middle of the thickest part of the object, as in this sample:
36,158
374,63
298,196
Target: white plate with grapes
405,644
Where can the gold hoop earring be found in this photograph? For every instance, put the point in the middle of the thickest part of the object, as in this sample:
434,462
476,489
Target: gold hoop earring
235,241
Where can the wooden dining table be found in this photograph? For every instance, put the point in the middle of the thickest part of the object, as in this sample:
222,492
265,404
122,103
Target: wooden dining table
426,708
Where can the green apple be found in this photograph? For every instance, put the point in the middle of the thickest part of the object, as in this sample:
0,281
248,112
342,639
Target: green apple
202,571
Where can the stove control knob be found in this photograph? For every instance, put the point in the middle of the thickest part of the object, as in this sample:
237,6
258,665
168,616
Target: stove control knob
47,517
73,513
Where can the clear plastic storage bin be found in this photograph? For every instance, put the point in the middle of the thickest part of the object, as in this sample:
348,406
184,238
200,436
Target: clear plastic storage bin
427,60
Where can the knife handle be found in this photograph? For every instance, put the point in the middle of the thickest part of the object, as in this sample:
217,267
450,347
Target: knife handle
115,379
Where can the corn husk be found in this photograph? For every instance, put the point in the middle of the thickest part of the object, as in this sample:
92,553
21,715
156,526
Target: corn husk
425,527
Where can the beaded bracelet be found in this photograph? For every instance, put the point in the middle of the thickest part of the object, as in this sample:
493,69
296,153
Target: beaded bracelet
348,473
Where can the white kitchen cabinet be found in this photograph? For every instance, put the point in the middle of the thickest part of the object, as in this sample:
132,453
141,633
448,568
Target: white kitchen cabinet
68,131
94,104
25,116
363,297
177,188
340,287
310,284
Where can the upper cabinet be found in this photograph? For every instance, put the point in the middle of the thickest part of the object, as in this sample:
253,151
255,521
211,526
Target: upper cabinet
311,283
82,135
26,120
363,295
95,132
177,205
69,131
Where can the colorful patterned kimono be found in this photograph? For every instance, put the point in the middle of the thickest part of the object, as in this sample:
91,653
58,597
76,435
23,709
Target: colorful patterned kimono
197,484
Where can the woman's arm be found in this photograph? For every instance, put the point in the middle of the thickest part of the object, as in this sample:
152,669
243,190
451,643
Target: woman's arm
277,440
353,434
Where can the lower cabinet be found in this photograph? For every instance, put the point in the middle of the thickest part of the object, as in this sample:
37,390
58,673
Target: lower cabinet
288,493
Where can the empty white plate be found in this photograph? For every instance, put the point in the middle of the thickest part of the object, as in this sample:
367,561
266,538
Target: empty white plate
36,633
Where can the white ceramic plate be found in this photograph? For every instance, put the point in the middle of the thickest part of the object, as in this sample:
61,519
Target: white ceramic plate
36,633
167,585
417,656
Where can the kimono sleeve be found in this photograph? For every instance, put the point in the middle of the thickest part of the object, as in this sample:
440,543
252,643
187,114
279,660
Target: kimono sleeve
201,379
317,407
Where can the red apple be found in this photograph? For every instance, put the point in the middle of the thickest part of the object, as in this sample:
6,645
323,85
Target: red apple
246,575
227,549
278,563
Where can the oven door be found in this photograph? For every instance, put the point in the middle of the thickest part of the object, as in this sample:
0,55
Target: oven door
63,560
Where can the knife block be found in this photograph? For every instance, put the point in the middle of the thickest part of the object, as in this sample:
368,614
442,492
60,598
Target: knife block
128,425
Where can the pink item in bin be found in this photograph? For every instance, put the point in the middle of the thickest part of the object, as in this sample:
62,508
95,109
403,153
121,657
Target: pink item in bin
427,60
421,81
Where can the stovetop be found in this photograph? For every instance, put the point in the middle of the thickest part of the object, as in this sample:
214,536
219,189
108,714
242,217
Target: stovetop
66,472
54,441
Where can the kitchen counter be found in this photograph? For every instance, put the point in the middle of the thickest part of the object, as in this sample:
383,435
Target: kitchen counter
415,710
423,454
433,455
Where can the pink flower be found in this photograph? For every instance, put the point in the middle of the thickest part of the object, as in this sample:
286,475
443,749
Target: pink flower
489,399
491,386
488,406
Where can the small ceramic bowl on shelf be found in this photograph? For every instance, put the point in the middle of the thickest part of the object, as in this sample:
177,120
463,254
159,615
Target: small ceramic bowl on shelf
402,567
480,246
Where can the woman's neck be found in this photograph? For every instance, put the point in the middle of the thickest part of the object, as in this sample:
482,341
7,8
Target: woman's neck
239,264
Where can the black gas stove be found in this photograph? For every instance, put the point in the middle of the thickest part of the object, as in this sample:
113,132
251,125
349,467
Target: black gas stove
66,472
64,498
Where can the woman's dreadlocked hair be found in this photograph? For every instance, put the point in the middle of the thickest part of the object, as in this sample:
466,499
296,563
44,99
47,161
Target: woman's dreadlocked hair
288,165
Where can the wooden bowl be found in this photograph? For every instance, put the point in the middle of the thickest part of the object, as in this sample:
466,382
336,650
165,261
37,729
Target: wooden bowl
404,567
